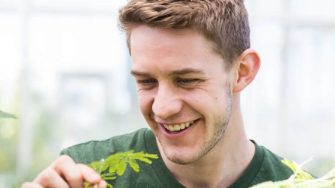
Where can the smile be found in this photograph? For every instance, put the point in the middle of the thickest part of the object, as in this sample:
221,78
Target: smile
178,127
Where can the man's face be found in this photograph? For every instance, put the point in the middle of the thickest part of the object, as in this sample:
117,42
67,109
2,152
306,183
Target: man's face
183,88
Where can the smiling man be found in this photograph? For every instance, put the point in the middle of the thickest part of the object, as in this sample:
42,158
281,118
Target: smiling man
190,59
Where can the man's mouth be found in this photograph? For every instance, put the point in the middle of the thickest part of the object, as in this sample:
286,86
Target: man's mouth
175,128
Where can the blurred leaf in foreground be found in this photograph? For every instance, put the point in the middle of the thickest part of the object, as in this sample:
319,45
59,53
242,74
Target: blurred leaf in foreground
7,115
301,179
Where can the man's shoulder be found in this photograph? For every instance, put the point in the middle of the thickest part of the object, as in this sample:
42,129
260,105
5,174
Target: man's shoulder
98,149
265,166
273,167
277,168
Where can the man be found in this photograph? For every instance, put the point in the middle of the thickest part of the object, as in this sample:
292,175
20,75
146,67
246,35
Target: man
190,59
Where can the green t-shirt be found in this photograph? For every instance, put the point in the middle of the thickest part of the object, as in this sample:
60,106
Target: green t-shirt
264,166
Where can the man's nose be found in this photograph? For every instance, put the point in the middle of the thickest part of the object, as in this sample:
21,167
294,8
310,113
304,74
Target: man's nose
166,103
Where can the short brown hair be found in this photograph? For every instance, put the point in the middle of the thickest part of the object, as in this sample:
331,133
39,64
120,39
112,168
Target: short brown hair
224,22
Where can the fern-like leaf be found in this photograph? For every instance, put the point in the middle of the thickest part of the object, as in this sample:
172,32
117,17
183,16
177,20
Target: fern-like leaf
145,157
134,165
115,165
121,168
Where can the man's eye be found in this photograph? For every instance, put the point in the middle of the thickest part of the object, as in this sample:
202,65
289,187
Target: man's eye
190,81
146,81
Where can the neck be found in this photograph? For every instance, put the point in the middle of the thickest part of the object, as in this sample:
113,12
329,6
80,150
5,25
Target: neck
223,165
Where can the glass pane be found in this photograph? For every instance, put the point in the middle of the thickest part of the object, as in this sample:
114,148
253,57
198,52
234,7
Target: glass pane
10,58
8,4
312,11
310,65
83,105
270,8
109,5
10,67
262,107
69,42
311,91
79,45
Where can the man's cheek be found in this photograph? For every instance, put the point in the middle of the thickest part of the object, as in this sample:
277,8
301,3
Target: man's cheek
145,104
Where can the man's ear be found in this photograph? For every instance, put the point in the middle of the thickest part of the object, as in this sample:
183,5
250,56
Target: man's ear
245,69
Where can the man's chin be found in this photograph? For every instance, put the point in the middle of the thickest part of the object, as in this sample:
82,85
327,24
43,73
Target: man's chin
177,154
182,160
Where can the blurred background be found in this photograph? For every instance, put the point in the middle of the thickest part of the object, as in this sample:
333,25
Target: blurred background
64,72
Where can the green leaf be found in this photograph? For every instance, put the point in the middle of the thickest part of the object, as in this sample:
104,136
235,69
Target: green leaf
7,115
121,168
145,160
108,176
148,155
95,165
134,165
144,157
116,164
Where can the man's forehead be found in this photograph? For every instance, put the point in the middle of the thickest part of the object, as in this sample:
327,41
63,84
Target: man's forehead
143,34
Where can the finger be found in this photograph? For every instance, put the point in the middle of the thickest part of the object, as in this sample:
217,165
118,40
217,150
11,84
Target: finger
50,178
102,184
69,170
31,185
90,175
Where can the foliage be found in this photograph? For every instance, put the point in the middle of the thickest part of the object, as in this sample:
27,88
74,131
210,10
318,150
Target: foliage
115,165
301,179
6,115
8,143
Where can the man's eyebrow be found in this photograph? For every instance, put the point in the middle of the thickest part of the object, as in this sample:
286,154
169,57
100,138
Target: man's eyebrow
187,71
138,73
175,72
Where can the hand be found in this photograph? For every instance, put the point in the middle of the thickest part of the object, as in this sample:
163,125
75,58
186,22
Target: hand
65,173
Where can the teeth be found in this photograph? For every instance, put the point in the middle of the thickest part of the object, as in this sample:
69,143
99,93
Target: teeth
178,127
